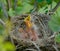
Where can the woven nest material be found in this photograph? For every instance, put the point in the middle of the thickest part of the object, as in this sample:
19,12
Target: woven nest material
41,22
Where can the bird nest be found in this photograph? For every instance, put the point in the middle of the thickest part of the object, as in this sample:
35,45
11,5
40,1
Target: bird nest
40,25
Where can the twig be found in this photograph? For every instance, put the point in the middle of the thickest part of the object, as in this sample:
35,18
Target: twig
35,9
52,36
2,22
36,46
10,34
55,48
55,8
4,9
31,49
9,4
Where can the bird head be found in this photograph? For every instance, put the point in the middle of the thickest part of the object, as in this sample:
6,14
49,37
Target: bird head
27,21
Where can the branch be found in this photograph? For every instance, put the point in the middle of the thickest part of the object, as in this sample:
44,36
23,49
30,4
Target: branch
55,48
35,9
55,8
36,46
9,4
4,9
52,36
2,22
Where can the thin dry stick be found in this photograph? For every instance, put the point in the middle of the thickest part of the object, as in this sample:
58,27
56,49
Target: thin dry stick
31,49
36,46
55,8
52,36
10,34
55,48
2,22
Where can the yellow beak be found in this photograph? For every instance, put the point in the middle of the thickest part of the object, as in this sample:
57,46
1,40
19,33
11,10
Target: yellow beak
27,20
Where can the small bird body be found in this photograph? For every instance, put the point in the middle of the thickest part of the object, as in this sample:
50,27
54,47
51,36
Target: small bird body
32,33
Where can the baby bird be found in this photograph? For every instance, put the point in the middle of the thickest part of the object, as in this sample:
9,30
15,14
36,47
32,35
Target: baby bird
29,29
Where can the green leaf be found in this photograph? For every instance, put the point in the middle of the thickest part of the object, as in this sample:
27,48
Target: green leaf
24,9
54,23
18,10
5,45
57,38
11,12
58,11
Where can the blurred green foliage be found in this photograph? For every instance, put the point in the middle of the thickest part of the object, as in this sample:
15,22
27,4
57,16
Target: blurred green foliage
11,12
6,46
1,29
57,38
4,31
55,21
25,8
54,24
